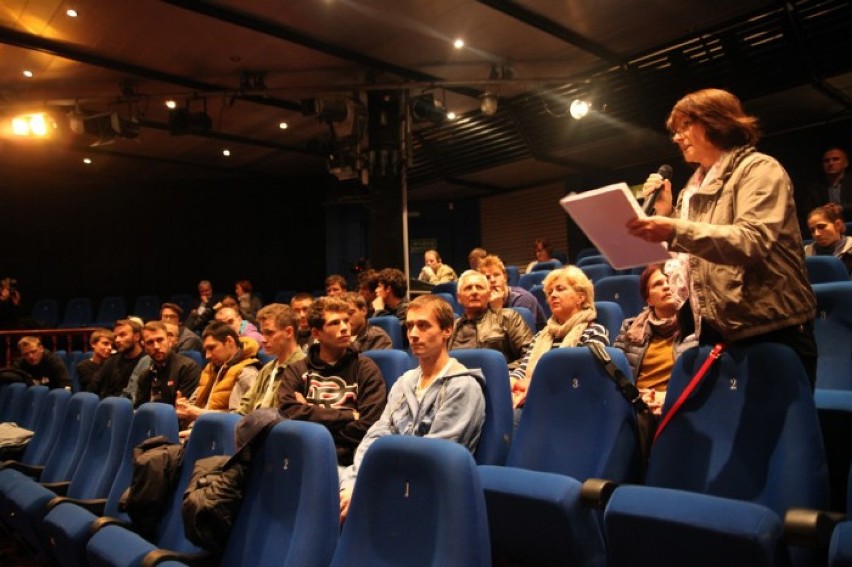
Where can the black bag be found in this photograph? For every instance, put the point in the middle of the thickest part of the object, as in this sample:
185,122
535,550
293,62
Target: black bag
215,491
646,421
156,467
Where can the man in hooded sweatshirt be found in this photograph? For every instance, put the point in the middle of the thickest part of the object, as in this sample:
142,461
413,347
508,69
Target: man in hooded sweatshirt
440,398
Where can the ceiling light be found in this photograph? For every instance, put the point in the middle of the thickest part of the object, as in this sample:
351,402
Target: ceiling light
226,152
283,125
579,109
38,125
87,161
171,105
71,13
27,73
459,43
451,115
488,103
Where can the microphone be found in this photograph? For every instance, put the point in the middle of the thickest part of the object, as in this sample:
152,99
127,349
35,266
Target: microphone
665,172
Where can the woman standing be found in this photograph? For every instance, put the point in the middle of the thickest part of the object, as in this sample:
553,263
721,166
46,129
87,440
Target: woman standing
736,222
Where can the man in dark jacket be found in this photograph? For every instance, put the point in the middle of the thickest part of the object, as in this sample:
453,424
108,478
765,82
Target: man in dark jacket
334,385
115,372
169,372
41,366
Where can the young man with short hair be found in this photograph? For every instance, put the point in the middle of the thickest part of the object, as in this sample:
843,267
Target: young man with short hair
101,342
230,373
278,327
186,338
115,372
43,367
440,398
169,373
301,304
364,335
335,285
334,385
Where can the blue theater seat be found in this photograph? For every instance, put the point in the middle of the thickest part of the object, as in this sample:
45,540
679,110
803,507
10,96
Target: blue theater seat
623,290
392,327
417,502
391,362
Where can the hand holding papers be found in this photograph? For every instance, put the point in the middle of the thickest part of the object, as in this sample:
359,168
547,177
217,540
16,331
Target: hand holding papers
602,214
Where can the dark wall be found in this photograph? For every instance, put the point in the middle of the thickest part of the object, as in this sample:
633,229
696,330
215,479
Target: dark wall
86,239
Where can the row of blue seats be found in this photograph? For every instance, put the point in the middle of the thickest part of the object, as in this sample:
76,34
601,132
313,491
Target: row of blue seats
719,480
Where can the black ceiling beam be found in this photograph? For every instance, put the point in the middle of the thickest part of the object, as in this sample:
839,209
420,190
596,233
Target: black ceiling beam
235,139
81,55
264,26
550,27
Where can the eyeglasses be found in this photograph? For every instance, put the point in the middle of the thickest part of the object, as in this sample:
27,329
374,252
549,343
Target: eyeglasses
684,126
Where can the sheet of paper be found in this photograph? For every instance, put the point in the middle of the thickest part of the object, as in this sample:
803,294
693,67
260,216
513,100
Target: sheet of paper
602,214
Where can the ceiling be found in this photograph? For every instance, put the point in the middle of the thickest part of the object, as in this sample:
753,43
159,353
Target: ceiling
250,66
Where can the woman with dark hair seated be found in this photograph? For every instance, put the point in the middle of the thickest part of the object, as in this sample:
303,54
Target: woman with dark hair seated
828,229
652,339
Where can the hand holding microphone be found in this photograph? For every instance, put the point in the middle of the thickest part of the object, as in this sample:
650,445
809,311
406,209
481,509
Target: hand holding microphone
658,191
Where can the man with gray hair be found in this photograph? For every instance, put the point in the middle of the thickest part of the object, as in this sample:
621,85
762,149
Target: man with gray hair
482,326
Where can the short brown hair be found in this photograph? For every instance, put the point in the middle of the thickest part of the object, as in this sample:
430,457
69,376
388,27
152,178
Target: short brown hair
316,314
174,307
29,341
98,334
645,277
336,279
132,323
220,331
154,326
492,262
725,122
278,312
443,311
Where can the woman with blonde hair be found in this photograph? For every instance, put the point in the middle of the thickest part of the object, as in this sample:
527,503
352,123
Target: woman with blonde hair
571,297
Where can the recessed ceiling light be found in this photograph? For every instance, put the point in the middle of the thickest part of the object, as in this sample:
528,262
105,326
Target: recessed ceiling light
71,13
283,125
459,43
28,73
226,153
87,161
171,105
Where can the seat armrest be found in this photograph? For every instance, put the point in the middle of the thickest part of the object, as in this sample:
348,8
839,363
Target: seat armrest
33,471
105,521
204,559
93,505
804,527
60,488
595,492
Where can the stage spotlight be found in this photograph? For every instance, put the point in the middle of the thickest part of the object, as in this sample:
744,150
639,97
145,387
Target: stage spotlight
579,109
425,107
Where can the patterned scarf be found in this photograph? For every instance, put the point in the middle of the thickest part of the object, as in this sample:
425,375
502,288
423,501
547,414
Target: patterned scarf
568,333
660,327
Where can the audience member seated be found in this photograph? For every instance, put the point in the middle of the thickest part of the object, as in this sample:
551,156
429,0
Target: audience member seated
244,328
10,304
334,386
232,370
335,285
115,372
101,342
435,271
248,303
504,295
828,230
301,304
481,326
476,256
571,297
278,327
203,313
440,398
43,367
652,340
186,338
543,250
391,290
364,335
367,282
169,374
836,187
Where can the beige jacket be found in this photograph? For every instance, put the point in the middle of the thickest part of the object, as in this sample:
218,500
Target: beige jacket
746,257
